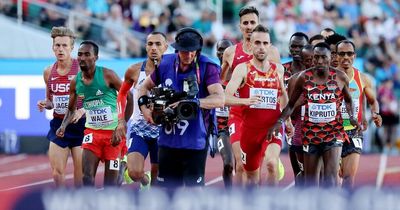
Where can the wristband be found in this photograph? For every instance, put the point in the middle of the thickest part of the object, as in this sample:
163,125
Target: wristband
143,100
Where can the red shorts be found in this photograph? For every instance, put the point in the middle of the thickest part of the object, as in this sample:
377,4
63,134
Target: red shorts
253,145
99,142
235,127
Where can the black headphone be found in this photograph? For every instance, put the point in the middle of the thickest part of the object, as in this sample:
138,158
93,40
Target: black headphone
189,30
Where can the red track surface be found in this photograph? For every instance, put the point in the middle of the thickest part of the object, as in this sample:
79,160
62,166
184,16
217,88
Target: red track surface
22,173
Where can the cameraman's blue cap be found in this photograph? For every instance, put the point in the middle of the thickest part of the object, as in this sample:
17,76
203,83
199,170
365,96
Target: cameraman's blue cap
188,39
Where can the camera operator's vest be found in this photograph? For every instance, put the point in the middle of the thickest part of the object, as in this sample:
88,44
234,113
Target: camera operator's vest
188,134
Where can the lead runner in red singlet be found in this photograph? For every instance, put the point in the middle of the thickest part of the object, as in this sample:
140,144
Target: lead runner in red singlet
233,56
262,91
57,78
321,89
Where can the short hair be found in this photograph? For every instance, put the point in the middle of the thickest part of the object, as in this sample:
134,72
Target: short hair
159,33
261,28
62,31
248,10
94,45
328,30
309,47
322,45
334,39
299,34
346,42
316,37
227,41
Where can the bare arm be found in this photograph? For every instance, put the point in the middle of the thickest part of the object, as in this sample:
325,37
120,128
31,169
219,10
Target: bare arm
371,100
227,63
347,97
46,103
284,97
71,109
146,86
215,99
238,77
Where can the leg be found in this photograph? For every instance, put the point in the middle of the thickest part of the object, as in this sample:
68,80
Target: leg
194,167
136,166
225,149
58,160
239,176
122,169
271,159
299,179
77,158
253,178
90,163
170,173
111,172
311,169
350,167
154,173
294,162
331,159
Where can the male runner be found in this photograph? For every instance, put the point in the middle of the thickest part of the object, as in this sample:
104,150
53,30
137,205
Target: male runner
97,87
359,86
321,89
261,89
332,40
143,134
57,78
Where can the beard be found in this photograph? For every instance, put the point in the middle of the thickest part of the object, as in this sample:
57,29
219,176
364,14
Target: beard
84,68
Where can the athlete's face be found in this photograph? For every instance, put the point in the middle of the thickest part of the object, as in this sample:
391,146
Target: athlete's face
295,46
186,57
62,47
221,47
260,42
334,58
86,57
247,24
322,58
307,58
345,55
156,45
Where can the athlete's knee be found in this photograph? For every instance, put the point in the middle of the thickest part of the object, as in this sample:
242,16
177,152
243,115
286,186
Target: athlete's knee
88,179
239,168
136,175
272,165
228,169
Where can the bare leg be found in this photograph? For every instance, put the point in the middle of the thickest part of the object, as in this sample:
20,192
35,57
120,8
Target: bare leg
77,158
331,166
58,160
272,158
90,162
350,167
240,175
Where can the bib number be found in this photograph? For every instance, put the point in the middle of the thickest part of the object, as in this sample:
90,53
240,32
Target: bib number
99,117
222,112
88,138
321,113
60,103
268,96
114,164
357,142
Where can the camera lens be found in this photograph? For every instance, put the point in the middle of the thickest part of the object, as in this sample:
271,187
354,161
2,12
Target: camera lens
187,110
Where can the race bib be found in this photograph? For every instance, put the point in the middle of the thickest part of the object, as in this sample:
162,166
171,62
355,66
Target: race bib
343,109
60,103
222,112
88,138
357,142
269,98
321,113
99,117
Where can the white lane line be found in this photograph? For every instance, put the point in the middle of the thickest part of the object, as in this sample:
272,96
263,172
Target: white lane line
214,181
10,159
381,171
68,176
289,186
25,170
392,170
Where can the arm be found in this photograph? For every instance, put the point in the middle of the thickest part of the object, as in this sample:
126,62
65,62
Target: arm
226,63
284,99
71,109
288,110
46,103
146,86
215,99
371,100
347,98
238,77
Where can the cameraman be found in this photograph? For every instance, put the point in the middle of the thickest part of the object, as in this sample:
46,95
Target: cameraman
182,146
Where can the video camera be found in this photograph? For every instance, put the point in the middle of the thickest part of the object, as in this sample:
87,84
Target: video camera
162,97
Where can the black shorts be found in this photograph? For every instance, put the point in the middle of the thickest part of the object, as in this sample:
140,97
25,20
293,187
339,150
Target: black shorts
320,149
355,145
73,134
296,148
181,167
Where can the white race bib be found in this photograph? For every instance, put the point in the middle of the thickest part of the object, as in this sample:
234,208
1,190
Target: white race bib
343,109
269,98
60,103
222,112
322,113
99,117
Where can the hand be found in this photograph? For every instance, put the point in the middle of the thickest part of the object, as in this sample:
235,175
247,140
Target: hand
364,124
289,129
43,104
354,122
60,131
77,115
377,119
253,100
115,141
120,131
274,130
147,114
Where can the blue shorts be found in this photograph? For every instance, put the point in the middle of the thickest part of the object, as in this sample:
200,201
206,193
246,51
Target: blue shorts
144,145
73,135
